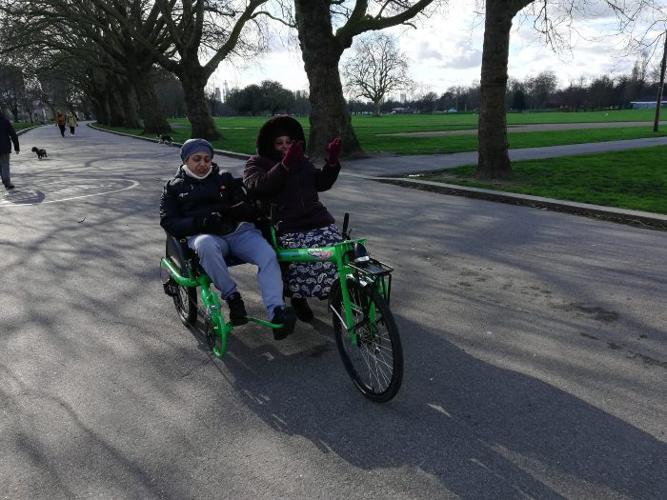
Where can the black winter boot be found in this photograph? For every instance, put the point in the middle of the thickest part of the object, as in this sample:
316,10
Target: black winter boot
237,312
286,317
302,309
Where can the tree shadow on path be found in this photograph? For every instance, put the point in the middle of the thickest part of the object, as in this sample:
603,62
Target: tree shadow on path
480,431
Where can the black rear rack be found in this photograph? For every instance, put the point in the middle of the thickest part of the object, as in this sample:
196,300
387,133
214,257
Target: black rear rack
370,266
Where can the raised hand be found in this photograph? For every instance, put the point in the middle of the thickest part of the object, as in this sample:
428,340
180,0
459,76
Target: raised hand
293,155
333,151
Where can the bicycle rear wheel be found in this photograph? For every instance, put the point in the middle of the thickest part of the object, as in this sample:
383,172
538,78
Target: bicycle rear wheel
185,298
375,361
185,302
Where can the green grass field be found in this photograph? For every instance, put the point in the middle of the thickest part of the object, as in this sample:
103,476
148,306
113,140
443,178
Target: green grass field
517,140
633,179
239,133
22,125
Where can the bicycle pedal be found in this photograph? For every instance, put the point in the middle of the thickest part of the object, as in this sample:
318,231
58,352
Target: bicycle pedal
238,321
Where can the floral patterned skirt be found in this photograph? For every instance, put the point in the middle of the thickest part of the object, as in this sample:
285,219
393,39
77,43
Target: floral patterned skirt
310,279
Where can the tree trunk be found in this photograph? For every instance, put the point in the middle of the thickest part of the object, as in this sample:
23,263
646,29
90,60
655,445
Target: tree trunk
149,107
321,53
661,86
376,108
131,107
124,92
100,109
116,110
494,160
197,111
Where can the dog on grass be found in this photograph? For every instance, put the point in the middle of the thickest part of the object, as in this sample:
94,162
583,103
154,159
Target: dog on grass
41,153
164,139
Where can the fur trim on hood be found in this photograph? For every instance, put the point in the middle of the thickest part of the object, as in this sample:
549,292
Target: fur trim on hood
275,127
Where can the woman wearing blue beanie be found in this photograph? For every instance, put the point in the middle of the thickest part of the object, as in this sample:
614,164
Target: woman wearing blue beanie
195,146
211,210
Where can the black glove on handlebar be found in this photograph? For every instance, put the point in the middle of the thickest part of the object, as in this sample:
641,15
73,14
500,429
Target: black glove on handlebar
213,223
243,211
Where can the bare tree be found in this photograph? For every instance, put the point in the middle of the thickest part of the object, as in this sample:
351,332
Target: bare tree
661,86
550,17
648,41
375,68
493,157
137,33
322,48
12,89
197,28
55,31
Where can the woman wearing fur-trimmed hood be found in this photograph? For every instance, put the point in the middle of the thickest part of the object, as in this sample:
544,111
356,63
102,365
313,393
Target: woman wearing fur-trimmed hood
281,174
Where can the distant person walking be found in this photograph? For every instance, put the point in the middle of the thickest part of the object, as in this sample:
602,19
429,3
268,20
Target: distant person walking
7,137
60,122
71,122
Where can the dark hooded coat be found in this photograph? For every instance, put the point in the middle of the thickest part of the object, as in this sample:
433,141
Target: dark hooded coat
294,191
185,198
7,136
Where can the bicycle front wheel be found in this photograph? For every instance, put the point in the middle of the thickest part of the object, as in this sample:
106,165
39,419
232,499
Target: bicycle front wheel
374,361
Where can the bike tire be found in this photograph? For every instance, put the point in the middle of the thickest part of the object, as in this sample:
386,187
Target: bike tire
185,303
375,365
185,300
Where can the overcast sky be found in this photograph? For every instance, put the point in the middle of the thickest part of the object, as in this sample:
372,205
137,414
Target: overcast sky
446,50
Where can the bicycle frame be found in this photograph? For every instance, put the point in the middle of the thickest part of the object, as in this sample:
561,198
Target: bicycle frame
366,271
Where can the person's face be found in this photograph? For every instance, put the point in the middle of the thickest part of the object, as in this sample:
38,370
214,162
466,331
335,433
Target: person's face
282,144
199,163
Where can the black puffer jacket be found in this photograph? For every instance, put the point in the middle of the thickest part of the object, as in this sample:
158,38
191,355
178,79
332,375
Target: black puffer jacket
185,198
293,192
6,133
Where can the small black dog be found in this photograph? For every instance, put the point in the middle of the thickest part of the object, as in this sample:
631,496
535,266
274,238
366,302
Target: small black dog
41,153
164,139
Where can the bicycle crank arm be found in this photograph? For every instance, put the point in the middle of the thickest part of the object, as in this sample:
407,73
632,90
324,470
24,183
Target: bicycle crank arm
265,323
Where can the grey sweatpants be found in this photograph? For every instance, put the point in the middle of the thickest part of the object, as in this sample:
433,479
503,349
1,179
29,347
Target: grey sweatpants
248,244
4,169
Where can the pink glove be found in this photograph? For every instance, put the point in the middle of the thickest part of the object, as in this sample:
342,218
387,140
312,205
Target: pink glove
333,151
293,156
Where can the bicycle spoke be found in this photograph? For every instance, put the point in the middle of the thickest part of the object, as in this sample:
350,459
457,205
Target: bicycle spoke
367,359
374,361
378,362
383,348
376,372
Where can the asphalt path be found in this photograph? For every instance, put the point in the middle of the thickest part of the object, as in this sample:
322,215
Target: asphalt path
535,351
404,165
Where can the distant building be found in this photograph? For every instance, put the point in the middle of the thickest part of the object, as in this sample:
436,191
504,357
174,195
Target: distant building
217,94
646,104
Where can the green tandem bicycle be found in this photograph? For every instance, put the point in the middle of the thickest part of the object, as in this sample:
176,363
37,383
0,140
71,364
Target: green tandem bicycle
365,331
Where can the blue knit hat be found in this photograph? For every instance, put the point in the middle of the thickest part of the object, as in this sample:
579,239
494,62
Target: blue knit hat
192,146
